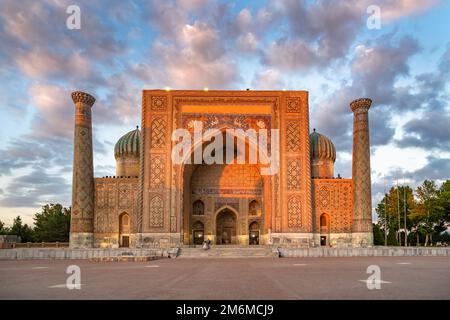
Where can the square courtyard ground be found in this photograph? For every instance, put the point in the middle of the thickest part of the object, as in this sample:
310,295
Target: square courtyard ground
257,278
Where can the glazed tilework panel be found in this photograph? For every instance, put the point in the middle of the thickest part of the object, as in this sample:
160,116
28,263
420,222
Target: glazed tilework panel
334,197
292,136
227,179
294,212
295,164
158,133
114,196
286,111
361,172
83,181
155,196
157,171
156,219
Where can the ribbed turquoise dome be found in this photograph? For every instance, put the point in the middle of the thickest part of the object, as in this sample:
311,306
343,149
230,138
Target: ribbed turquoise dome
129,144
321,147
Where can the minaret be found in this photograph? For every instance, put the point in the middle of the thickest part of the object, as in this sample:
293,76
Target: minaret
362,196
82,220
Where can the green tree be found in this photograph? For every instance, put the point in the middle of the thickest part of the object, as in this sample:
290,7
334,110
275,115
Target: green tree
392,238
52,223
428,210
444,237
22,230
378,235
444,199
3,229
391,210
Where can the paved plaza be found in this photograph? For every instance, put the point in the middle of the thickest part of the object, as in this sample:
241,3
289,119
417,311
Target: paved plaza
257,278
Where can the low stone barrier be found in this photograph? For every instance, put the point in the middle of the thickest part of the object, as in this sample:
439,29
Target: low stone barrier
128,254
364,252
66,253
40,245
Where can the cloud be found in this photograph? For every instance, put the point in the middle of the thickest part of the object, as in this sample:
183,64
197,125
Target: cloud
321,32
191,4
313,36
35,189
40,63
247,43
39,25
431,129
121,104
333,117
395,9
374,71
289,55
436,169
269,79
166,17
55,111
32,23
197,58
376,68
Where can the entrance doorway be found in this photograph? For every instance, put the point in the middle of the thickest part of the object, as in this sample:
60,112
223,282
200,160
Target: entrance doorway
198,233
254,233
226,227
124,230
125,241
324,229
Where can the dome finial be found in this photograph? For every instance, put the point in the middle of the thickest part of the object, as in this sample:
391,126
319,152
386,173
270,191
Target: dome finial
137,127
314,129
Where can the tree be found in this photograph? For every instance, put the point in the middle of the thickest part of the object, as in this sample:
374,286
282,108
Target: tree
3,229
391,210
378,236
392,238
444,237
52,223
444,199
428,210
22,230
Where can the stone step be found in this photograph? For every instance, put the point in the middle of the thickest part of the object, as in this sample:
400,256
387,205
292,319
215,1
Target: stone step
228,252
124,259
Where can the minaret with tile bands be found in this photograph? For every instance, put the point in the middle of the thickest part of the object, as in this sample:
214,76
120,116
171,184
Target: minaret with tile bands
362,196
82,220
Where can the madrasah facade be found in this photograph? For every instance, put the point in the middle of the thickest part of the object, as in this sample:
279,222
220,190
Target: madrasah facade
154,201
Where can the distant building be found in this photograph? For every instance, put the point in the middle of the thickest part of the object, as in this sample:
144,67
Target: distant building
6,241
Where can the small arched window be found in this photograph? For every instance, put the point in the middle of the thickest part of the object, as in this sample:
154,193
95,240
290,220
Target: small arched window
124,223
254,208
198,208
323,220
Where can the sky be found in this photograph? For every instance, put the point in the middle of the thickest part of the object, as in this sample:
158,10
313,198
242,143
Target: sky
122,47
